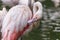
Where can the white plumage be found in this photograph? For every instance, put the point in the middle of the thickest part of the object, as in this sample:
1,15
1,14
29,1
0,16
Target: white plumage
17,18
3,13
37,12
25,2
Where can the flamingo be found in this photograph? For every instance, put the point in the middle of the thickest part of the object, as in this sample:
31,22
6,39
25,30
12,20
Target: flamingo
9,3
26,2
55,16
56,2
18,20
12,3
3,13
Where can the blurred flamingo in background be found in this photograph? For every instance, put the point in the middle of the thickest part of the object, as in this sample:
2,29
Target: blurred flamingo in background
18,20
3,13
11,3
55,16
26,2
56,2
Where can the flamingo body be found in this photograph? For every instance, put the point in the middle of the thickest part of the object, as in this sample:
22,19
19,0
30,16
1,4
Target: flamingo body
15,20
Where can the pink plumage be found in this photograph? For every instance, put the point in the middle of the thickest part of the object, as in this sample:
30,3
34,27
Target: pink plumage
15,20
18,20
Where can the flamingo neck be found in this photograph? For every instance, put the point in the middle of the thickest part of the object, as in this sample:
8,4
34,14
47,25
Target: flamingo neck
37,8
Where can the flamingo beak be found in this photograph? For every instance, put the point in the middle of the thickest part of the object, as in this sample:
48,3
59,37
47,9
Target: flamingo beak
31,21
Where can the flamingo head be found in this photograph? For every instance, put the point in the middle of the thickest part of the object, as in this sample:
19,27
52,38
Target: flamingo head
37,12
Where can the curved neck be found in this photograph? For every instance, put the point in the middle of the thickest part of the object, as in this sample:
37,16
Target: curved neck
37,8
